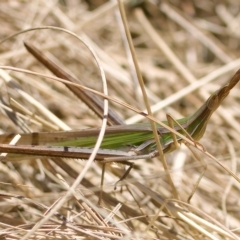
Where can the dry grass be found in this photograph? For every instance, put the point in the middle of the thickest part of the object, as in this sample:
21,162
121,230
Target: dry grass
189,40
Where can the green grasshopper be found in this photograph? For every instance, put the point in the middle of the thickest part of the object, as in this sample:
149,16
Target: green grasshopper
121,142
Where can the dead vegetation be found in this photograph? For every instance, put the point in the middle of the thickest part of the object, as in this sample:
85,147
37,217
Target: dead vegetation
178,43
